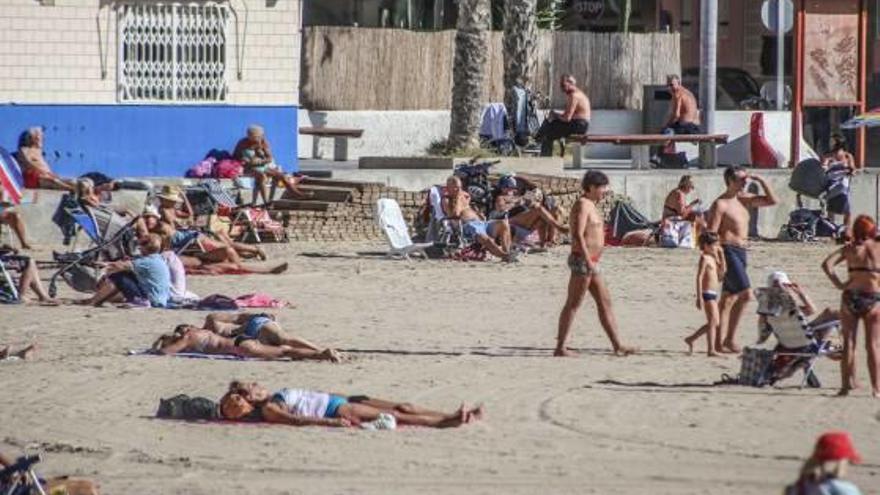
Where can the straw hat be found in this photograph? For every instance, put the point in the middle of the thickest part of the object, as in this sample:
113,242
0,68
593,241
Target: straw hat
169,193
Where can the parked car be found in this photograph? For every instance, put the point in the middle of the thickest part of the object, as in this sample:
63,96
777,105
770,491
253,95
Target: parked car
737,89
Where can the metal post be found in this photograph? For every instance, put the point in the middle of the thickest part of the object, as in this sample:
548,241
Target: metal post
780,54
708,82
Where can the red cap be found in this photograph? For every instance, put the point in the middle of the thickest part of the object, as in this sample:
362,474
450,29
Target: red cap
835,446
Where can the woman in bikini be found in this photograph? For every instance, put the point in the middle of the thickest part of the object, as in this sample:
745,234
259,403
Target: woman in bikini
263,327
861,292
296,407
187,338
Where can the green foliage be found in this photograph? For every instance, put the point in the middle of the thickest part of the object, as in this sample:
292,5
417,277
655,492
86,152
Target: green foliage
550,14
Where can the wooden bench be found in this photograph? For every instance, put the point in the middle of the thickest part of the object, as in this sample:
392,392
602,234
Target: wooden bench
641,145
340,139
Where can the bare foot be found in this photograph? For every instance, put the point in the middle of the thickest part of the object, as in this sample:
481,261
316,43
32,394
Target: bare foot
456,419
715,354
4,352
625,351
279,269
564,352
690,343
731,348
843,392
50,301
331,355
27,247
27,352
476,414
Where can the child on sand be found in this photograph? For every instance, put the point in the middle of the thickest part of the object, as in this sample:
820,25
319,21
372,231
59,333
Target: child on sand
709,275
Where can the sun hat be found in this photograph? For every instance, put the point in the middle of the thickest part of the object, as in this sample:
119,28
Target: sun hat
778,278
169,193
836,446
150,211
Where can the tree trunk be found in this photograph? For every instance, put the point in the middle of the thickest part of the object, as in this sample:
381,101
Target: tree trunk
469,73
519,44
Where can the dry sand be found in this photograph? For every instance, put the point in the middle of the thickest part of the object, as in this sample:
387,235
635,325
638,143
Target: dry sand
436,333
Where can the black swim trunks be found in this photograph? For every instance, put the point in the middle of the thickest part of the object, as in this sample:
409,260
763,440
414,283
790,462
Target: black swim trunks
736,279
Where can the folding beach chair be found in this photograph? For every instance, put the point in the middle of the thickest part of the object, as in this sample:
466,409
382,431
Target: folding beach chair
391,222
799,343
22,479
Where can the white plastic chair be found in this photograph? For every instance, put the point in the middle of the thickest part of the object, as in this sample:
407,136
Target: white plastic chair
391,222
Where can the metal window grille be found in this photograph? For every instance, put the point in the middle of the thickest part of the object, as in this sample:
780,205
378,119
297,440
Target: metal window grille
172,51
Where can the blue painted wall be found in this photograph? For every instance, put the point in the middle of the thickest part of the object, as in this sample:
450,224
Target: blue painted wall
145,140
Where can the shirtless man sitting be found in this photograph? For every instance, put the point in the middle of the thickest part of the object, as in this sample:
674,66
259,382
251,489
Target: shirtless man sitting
684,115
729,217
493,235
587,241
37,172
574,120
526,214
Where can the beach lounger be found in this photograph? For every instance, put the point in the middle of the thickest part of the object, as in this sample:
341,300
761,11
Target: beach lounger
391,222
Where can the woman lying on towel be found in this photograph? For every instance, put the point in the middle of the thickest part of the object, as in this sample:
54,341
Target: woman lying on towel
188,338
253,402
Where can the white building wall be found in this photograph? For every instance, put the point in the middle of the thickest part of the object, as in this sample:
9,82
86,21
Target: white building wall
53,53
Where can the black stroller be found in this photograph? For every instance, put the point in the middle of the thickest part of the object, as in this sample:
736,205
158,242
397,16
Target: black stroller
495,129
113,236
831,188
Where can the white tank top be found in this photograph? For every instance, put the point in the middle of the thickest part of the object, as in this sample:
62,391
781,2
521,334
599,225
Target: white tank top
306,403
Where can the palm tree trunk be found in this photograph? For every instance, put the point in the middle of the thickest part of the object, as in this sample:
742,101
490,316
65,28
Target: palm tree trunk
625,14
469,72
519,44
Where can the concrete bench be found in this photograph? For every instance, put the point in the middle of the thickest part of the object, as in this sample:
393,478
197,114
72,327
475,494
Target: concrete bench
340,139
641,145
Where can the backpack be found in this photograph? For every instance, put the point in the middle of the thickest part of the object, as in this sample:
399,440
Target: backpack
185,407
228,169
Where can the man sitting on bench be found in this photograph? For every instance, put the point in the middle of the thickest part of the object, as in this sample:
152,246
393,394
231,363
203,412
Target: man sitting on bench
684,115
574,120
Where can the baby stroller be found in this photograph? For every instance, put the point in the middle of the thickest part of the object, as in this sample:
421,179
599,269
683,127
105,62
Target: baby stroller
475,181
495,126
831,187
799,342
113,236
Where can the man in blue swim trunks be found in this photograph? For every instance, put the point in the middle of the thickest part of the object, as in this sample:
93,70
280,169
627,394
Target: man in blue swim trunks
729,217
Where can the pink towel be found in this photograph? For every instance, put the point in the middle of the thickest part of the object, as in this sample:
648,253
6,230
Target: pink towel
259,300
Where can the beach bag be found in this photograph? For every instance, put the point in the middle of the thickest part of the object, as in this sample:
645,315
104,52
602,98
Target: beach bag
185,407
228,169
755,368
203,169
675,234
217,301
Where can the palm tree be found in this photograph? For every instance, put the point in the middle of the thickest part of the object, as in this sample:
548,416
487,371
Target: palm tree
469,73
519,44
625,14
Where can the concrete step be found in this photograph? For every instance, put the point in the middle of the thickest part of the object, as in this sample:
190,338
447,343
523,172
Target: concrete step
325,193
301,205
349,184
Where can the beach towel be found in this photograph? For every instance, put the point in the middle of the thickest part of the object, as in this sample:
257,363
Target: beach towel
199,355
259,300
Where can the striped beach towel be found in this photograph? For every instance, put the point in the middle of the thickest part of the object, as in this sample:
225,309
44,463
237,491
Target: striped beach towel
11,178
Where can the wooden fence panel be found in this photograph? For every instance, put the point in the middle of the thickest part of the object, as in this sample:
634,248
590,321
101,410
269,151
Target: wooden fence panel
347,68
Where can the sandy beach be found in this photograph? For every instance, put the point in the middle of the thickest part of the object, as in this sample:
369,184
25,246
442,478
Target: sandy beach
436,333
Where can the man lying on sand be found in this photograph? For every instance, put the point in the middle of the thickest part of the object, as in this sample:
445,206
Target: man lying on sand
262,327
587,241
187,338
253,402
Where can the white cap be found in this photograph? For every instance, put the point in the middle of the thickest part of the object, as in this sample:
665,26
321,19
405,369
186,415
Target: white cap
778,278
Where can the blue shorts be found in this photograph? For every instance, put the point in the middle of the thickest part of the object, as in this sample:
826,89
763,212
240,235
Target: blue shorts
736,279
476,228
254,325
333,405
128,284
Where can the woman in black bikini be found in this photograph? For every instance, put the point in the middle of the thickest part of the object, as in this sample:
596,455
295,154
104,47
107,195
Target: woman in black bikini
861,293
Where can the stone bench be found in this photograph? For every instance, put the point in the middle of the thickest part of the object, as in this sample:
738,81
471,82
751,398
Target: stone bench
340,139
641,145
